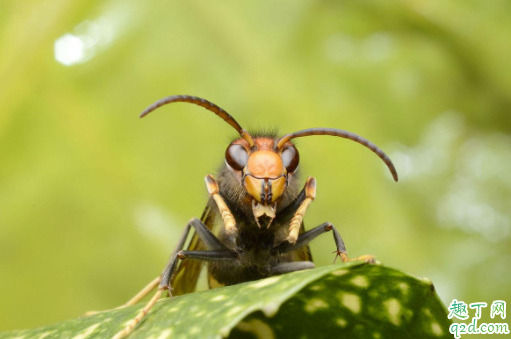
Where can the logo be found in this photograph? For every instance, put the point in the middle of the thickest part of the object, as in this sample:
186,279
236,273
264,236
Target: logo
459,309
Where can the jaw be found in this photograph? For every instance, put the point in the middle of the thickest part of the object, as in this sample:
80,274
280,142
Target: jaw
263,212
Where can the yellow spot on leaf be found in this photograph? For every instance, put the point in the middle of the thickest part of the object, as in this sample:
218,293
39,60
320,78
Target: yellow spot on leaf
360,280
258,328
270,309
218,297
165,334
351,301
408,314
404,287
265,282
437,330
234,310
339,272
85,333
315,304
316,288
341,322
47,333
394,310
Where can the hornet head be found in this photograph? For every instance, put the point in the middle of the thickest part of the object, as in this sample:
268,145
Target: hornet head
263,170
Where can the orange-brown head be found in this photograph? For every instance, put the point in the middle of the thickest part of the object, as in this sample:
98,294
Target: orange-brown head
263,170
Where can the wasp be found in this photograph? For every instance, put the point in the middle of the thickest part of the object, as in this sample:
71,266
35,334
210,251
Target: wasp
252,226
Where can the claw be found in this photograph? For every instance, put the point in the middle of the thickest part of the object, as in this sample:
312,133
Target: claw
368,258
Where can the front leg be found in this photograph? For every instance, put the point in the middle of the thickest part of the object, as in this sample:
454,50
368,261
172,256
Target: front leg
310,235
227,217
296,221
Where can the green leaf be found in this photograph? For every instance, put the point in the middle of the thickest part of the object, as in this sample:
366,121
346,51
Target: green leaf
347,300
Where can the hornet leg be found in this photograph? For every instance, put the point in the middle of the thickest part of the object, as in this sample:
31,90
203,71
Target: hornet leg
296,221
310,235
214,244
293,266
139,296
145,291
227,217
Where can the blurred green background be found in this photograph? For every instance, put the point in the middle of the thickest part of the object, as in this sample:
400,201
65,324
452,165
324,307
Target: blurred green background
92,199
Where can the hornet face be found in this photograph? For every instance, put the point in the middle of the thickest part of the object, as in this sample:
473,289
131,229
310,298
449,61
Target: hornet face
264,172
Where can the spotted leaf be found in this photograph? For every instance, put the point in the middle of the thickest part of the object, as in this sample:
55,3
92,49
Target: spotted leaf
346,300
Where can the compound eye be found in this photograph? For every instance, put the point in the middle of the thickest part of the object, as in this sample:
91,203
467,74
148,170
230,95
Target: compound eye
290,158
236,156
